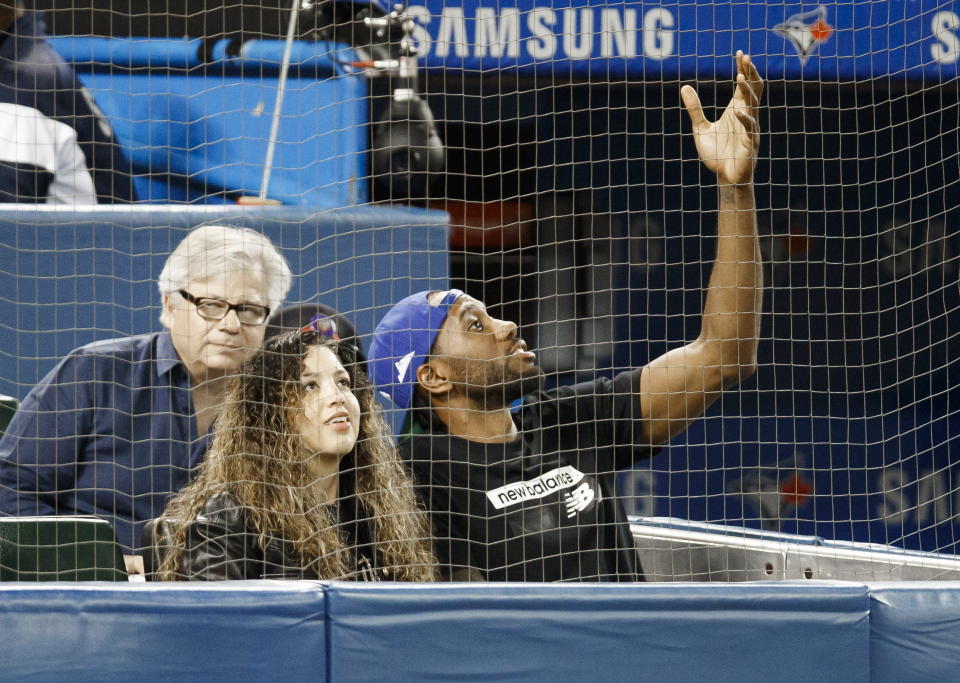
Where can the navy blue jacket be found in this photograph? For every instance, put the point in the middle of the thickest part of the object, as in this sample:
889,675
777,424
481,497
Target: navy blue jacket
110,432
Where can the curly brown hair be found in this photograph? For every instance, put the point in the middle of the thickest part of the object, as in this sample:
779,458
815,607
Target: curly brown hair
258,458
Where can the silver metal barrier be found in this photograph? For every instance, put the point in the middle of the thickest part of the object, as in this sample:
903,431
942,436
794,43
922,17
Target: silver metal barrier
681,550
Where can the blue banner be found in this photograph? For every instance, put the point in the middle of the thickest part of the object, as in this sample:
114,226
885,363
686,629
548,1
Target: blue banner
913,39
882,479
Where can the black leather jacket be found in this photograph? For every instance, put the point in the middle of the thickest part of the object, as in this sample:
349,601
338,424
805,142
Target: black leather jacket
222,544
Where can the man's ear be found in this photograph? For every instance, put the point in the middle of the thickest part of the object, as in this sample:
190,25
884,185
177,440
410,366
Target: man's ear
432,376
166,313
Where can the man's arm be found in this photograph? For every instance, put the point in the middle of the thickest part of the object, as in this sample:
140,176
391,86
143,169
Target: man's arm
678,386
39,452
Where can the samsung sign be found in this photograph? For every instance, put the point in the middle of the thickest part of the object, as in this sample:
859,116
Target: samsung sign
916,38
543,33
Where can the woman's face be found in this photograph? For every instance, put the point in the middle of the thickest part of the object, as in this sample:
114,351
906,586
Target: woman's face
330,421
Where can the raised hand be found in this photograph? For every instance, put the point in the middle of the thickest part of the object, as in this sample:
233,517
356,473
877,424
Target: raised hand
728,146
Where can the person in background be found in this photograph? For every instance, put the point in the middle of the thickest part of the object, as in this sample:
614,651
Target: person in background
56,146
302,479
116,427
530,495
328,321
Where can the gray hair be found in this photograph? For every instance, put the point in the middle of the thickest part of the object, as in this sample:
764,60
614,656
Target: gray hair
212,250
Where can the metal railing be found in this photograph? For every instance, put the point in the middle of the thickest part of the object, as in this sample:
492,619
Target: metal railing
681,550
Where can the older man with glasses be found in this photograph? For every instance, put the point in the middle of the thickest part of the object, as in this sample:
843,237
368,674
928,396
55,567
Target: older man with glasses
117,425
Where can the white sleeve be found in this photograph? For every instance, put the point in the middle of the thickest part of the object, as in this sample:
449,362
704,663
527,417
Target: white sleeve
28,137
72,182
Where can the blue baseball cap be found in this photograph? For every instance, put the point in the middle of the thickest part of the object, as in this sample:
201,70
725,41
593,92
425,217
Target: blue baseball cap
402,342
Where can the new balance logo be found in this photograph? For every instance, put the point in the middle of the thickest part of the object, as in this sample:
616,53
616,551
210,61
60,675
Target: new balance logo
578,499
550,482
402,365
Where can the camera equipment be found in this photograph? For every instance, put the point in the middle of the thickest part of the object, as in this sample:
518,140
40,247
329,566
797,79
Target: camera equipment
406,150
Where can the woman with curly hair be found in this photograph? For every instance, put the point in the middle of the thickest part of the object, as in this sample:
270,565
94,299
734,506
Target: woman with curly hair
302,479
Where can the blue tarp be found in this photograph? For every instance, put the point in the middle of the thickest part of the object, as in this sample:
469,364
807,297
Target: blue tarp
196,123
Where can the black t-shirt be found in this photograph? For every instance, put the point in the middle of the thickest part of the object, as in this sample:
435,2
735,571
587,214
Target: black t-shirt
544,506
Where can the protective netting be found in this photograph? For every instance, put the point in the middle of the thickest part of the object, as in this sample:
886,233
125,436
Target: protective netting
553,141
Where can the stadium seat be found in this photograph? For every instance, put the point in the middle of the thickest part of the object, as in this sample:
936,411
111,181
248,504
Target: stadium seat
8,406
198,131
74,548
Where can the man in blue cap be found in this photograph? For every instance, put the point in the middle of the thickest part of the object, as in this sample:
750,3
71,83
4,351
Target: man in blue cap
530,495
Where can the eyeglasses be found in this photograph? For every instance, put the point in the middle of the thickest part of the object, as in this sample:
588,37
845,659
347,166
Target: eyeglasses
216,309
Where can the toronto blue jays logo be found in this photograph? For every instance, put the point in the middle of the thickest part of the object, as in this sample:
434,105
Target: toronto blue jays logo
776,492
806,31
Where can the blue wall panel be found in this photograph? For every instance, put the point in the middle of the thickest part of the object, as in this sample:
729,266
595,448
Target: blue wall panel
538,632
259,630
72,277
226,632
914,632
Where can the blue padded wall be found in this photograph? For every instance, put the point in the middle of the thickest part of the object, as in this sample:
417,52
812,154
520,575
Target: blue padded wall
531,632
215,632
915,632
317,631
